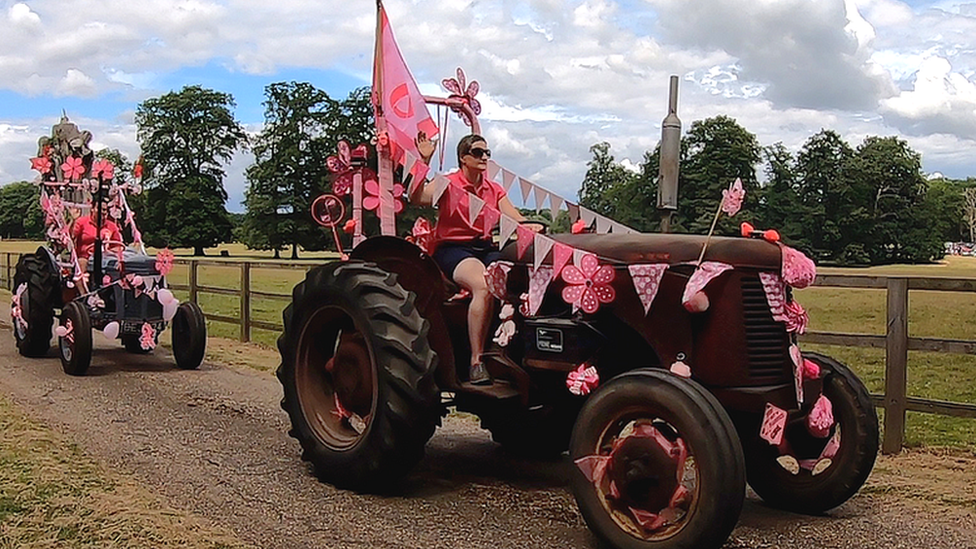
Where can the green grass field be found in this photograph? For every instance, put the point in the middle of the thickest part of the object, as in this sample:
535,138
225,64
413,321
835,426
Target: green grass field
948,315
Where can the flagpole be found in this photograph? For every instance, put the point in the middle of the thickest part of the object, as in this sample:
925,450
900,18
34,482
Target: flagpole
385,162
718,212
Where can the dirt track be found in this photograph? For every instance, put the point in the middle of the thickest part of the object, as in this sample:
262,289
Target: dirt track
214,442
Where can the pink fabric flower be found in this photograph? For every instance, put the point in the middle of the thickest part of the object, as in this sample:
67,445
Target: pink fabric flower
588,285
148,338
104,168
799,271
372,201
73,168
732,198
796,318
164,261
458,91
583,380
42,164
821,418
579,226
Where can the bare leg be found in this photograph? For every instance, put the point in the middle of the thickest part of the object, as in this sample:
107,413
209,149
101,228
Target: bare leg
470,274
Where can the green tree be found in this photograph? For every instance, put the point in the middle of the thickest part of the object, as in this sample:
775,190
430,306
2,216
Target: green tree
888,169
780,206
186,138
20,211
833,215
714,153
607,186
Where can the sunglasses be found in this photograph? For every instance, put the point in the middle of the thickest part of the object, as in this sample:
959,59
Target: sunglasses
478,152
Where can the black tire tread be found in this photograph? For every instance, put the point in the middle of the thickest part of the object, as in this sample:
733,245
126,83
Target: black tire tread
407,413
42,288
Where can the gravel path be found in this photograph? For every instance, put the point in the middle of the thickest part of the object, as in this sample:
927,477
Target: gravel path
214,442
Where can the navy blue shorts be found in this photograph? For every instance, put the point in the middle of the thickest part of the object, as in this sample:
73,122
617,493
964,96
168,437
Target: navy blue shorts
449,254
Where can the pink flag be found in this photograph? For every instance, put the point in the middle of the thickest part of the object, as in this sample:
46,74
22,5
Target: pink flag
396,97
525,237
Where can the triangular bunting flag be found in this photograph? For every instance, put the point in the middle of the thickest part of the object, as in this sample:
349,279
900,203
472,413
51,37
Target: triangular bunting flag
508,178
560,256
526,189
506,227
555,202
578,257
540,197
541,248
474,207
408,163
524,239
493,169
587,216
647,280
440,184
538,282
602,225
574,211
489,218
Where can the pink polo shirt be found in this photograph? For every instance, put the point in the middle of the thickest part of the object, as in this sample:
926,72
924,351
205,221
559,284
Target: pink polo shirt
453,224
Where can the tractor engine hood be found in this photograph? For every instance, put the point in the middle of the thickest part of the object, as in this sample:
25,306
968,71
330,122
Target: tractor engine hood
673,249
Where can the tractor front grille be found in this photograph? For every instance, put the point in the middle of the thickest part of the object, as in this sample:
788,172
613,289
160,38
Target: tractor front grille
767,342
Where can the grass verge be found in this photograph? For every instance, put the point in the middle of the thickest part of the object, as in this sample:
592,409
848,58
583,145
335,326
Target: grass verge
54,495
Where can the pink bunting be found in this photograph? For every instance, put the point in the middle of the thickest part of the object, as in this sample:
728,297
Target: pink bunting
508,179
475,204
539,280
773,424
456,199
497,278
493,169
526,188
797,358
541,246
775,295
594,468
705,273
540,197
489,217
560,256
506,226
525,237
647,280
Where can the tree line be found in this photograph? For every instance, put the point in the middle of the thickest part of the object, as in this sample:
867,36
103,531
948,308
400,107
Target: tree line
867,204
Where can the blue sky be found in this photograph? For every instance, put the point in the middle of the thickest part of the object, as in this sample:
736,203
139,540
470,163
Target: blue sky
556,76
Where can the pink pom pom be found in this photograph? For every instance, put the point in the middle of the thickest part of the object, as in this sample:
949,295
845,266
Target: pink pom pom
811,370
799,270
698,303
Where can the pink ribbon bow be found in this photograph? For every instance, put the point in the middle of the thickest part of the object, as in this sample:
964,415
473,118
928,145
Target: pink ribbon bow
583,380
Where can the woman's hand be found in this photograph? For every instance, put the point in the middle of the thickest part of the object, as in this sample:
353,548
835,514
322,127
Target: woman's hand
425,146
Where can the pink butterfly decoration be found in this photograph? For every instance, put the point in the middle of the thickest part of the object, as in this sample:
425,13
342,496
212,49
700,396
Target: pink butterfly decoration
588,285
732,198
458,91
372,201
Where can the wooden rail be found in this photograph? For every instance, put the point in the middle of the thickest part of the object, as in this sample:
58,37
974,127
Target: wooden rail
896,341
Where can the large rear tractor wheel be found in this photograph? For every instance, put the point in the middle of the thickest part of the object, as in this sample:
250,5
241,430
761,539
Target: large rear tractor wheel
813,474
35,291
76,343
189,336
358,375
658,464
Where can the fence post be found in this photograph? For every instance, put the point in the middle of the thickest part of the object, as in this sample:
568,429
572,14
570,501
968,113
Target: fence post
193,281
10,279
896,366
246,301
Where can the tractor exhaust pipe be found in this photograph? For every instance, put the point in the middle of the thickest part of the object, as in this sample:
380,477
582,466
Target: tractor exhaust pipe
667,180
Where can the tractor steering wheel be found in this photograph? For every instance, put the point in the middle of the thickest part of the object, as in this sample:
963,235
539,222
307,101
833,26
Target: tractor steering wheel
114,247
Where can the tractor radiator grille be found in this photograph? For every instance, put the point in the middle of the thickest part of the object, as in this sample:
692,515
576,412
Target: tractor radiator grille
767,342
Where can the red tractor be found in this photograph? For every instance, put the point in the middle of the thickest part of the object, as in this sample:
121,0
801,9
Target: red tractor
669,372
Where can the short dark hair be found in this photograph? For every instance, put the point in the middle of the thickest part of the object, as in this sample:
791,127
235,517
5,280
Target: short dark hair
464,145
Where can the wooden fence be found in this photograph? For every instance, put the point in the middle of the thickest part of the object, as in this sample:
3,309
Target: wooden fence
895,341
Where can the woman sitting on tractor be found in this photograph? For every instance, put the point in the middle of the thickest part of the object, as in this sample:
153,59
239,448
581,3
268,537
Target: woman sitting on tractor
459,246
83,233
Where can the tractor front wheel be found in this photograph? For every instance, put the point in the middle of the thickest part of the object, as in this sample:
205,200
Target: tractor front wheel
658,464
76,342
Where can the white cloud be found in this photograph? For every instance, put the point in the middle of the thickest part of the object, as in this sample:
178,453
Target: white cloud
942,101
76,83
